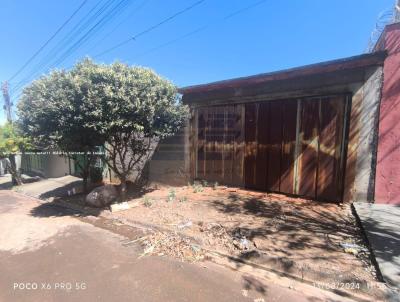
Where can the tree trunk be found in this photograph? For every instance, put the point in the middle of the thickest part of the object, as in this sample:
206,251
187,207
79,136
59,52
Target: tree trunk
85,184
85,176
123,188
15,175
86,171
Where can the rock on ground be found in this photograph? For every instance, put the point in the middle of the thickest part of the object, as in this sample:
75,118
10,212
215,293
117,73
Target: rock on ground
102,196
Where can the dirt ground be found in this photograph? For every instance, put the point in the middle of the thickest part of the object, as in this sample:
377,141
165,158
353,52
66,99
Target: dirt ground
300,237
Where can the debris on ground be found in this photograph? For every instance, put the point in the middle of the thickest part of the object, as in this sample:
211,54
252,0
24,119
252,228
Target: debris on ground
241,244
174,245
216,233
240,240
274,230
119,206
184,225
353,248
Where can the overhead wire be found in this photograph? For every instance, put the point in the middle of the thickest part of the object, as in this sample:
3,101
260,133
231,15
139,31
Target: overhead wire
201,28
130,15
151,28
47,41
101,17
84,22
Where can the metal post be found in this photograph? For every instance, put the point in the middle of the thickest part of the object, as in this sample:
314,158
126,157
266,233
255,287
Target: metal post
7,103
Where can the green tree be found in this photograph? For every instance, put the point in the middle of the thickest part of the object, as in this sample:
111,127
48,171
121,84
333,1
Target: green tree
12,143
131,108
51,111
122,108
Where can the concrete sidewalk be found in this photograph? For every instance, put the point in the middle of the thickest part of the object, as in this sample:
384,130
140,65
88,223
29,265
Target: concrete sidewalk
381,223
52,187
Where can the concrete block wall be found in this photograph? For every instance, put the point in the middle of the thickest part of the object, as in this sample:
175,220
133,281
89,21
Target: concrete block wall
169,163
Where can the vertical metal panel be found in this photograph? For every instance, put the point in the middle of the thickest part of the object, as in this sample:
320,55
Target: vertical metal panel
250,160
220,144
193,143
289,118
344,146
218,129
209,144
274,146
329,151
262,141
239,145
201,142
297,148
309,147
228,144
291,146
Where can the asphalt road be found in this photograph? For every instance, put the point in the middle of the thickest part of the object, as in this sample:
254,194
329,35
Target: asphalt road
48,254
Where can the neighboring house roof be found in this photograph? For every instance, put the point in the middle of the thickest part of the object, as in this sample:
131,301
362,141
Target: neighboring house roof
345,64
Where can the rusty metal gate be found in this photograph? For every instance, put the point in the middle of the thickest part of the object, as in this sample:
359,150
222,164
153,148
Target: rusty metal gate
294,146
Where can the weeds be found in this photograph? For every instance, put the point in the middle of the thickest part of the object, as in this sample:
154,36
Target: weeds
171,195
147,202
197,187
183,199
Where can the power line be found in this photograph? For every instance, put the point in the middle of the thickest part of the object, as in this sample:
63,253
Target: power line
81,26
243,9
151,28
86,36
47,42
104,18
202,28
137,9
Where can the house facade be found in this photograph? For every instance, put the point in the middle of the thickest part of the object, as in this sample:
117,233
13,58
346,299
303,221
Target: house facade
316,131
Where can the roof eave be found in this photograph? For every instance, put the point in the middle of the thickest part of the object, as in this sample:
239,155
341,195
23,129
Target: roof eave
364,60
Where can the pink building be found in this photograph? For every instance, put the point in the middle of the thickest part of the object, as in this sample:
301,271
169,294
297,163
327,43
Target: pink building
387,185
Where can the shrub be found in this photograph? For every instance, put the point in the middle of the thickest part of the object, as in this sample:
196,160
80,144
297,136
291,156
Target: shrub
171,195
147,202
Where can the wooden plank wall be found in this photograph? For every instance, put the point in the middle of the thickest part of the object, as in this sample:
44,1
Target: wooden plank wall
288,146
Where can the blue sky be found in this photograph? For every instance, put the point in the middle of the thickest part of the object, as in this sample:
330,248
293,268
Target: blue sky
270,36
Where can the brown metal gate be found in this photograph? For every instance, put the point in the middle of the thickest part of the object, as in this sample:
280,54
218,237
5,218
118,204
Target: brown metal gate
294,146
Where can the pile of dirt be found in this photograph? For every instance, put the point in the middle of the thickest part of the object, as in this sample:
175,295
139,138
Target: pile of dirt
174,245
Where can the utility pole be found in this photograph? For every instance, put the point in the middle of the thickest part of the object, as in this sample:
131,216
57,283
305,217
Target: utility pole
7,102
